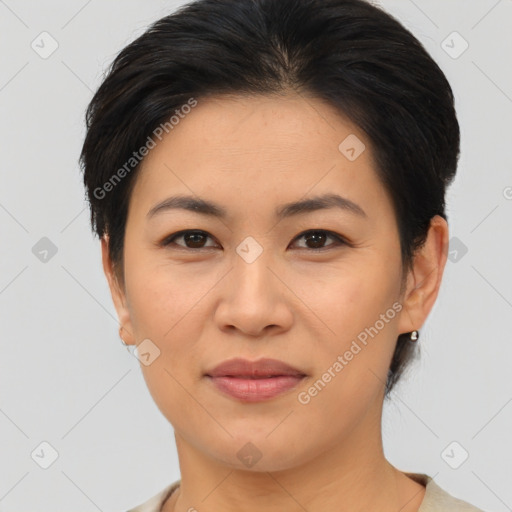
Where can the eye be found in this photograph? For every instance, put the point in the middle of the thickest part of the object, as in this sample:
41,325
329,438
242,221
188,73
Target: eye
196,239
318,237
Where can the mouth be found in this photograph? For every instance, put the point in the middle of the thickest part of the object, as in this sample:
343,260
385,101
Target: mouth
254,381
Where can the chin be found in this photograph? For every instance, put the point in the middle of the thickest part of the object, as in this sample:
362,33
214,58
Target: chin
260,452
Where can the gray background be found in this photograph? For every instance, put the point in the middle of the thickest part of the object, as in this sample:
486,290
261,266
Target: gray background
65,379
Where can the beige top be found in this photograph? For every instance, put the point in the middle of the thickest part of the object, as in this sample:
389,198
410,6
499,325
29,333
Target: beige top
435,499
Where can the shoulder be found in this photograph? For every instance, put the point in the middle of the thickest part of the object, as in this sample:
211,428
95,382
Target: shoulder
154,504
436,499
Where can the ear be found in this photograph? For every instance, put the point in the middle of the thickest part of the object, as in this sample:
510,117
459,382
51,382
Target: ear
118,293
424,279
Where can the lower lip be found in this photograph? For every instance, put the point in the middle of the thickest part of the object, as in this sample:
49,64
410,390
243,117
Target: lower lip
255,390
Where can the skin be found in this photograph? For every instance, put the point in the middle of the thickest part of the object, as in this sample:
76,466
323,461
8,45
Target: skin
201,306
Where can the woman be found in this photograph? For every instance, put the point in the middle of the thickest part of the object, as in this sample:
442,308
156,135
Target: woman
268,180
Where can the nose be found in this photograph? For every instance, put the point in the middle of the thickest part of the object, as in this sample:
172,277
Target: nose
254,299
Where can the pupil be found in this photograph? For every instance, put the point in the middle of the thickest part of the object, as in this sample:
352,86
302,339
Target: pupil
320,238
196,242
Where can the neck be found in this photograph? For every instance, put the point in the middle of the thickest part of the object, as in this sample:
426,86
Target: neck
353,475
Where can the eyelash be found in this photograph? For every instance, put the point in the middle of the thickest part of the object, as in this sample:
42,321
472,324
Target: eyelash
339,240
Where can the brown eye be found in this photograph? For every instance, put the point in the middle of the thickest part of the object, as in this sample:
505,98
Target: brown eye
316,239
192,239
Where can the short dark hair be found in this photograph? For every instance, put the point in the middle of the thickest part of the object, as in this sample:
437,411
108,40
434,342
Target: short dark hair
349,53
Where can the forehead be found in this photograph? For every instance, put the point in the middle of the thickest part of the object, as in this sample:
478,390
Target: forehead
260,149
288,125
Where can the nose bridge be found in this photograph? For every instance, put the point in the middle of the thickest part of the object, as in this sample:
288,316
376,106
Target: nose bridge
253,299
252,277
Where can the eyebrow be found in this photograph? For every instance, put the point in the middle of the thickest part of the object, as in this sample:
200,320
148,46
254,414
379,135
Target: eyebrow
204,207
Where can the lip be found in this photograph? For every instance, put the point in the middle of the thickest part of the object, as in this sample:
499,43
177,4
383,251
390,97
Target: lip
254,381
264,367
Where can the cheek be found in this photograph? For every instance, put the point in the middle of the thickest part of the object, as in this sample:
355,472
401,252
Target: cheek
160,295
162,309
168,305
357,306
348,297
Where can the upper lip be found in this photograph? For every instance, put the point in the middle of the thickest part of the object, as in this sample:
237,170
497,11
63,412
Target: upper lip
264,367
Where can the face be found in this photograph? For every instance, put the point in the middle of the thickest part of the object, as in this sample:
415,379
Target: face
317,286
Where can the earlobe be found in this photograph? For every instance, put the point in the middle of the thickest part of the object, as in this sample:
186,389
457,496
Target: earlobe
117,293
424,279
